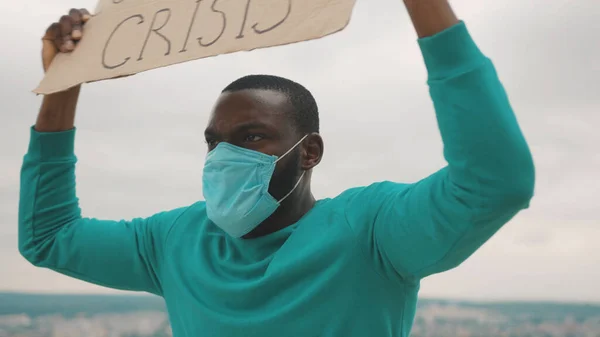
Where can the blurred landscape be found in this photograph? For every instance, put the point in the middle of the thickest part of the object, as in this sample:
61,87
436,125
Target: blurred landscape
32,315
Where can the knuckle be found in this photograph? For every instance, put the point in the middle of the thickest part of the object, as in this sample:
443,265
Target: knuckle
52,27
75,16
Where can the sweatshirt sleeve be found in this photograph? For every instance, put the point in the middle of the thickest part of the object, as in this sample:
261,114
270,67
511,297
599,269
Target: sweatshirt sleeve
52,233
415,230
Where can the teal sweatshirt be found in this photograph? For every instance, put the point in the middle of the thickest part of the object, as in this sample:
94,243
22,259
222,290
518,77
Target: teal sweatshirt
350,267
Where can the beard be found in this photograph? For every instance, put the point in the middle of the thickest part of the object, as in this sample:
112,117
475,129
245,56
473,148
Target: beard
285,177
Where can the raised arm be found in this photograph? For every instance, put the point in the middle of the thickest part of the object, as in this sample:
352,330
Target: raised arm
52,233
415,230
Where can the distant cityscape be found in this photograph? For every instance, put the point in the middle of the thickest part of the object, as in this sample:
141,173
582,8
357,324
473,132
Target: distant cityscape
28,315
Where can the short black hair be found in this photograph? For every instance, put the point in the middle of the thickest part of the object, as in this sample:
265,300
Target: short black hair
305,114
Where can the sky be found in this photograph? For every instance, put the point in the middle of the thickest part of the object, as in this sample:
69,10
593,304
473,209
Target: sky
140,139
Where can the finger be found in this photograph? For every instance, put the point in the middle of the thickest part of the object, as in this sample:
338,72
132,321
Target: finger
76,23
66,28
66,25
49,48
52,32
48,53
67,44
53,35
85,15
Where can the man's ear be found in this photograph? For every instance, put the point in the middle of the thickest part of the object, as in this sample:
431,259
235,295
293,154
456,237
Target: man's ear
312,151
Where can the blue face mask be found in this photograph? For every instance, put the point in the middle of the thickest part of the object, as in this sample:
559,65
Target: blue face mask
235,184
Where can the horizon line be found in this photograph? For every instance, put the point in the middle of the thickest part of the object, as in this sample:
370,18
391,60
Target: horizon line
427,298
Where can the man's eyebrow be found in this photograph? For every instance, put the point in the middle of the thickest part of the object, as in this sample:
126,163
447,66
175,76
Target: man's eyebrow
212,133
255,125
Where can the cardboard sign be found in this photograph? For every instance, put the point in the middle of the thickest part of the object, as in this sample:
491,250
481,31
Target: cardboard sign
104,6
131,36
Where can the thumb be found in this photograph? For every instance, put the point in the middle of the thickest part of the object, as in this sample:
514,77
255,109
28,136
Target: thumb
49,51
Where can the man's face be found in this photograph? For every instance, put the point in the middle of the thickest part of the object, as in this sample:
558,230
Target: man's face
259,120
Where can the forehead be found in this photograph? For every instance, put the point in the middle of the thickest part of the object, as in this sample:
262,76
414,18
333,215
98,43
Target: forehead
250,106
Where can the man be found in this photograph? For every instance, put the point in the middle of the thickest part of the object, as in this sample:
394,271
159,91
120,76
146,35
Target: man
262,257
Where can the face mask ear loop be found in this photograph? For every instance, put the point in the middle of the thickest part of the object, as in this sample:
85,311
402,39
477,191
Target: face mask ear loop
291,149
293,189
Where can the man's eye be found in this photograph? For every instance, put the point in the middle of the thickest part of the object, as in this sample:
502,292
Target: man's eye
253,138
211,142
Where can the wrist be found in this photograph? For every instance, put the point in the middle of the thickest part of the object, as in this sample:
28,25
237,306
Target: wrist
57,112
430,17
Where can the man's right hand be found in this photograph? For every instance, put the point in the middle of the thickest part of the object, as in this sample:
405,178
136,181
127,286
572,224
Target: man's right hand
58,110
63,35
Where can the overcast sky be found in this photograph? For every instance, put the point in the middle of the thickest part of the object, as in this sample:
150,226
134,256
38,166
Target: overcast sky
140,139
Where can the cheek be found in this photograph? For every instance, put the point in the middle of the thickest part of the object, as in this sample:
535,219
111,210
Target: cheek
290,163
267,147
285,175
